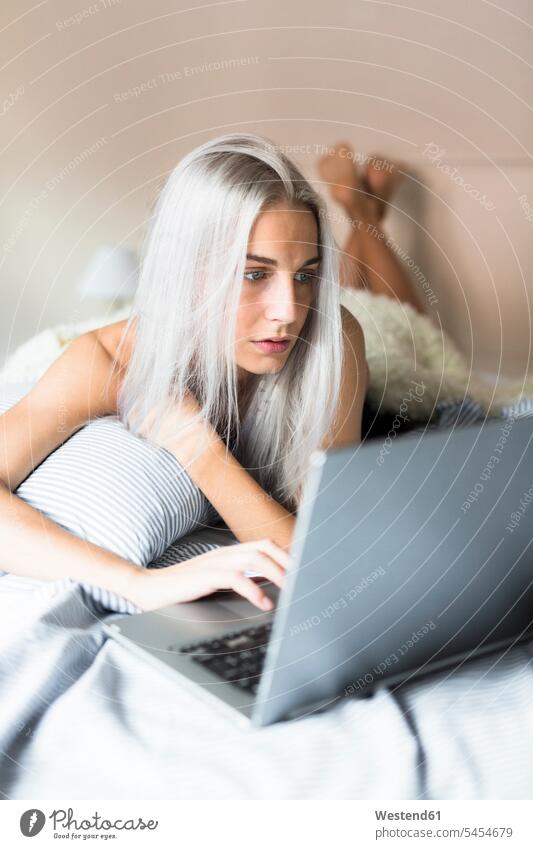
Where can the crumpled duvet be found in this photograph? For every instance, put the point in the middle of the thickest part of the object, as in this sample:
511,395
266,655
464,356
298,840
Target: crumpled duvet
81,718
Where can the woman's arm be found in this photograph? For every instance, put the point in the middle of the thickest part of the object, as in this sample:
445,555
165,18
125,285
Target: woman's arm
241,502
80,385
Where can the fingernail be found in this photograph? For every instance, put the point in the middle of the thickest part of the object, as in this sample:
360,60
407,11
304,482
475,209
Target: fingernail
267,604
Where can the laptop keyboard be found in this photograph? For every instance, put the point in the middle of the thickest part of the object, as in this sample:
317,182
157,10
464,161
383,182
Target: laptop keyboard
237,657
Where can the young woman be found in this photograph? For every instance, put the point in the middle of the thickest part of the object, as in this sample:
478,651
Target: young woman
237,359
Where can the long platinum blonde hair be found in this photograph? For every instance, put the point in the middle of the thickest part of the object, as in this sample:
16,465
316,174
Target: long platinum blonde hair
185,314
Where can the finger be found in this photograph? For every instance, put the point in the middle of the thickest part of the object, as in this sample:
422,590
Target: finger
252,592
262,564
278,554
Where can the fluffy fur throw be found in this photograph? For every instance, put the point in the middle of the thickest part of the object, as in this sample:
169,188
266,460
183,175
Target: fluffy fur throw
408,355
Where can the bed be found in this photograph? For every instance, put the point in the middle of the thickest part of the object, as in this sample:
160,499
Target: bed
83,718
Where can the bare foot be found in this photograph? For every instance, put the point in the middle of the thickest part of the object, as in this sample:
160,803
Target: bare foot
381,178
337,169
363,192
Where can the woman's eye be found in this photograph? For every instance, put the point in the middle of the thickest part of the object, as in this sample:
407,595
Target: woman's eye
306,276
255,275
300,276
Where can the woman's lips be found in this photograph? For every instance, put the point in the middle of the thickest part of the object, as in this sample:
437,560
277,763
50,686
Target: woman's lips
269,346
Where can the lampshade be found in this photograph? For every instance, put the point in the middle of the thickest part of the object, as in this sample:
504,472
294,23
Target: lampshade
111,274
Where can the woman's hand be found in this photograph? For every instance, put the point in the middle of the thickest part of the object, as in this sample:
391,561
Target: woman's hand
220,569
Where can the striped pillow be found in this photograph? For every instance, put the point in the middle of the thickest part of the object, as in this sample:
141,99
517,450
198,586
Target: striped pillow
121,492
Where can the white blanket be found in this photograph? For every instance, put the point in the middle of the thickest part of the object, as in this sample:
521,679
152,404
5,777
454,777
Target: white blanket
83,718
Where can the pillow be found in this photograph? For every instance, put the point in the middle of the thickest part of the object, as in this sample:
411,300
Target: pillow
126,494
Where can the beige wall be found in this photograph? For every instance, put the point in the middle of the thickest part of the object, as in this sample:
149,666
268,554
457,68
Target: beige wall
83,154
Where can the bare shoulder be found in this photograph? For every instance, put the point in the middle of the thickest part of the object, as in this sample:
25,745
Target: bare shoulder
350,324
355,339
81,384
117,339
346,428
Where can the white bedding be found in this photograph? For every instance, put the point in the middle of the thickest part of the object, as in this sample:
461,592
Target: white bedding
82,718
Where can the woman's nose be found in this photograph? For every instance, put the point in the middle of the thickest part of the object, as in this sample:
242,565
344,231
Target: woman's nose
281,301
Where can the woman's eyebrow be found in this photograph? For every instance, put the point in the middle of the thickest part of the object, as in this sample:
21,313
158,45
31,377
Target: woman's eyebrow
264,259
268,261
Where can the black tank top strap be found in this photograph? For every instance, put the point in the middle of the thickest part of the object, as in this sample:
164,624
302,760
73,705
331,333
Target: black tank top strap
376,424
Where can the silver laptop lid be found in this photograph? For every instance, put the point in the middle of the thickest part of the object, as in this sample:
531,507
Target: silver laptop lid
405,559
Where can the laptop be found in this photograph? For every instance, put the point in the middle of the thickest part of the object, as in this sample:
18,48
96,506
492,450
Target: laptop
408,556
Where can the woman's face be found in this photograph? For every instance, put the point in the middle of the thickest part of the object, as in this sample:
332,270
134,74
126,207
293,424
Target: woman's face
280,279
